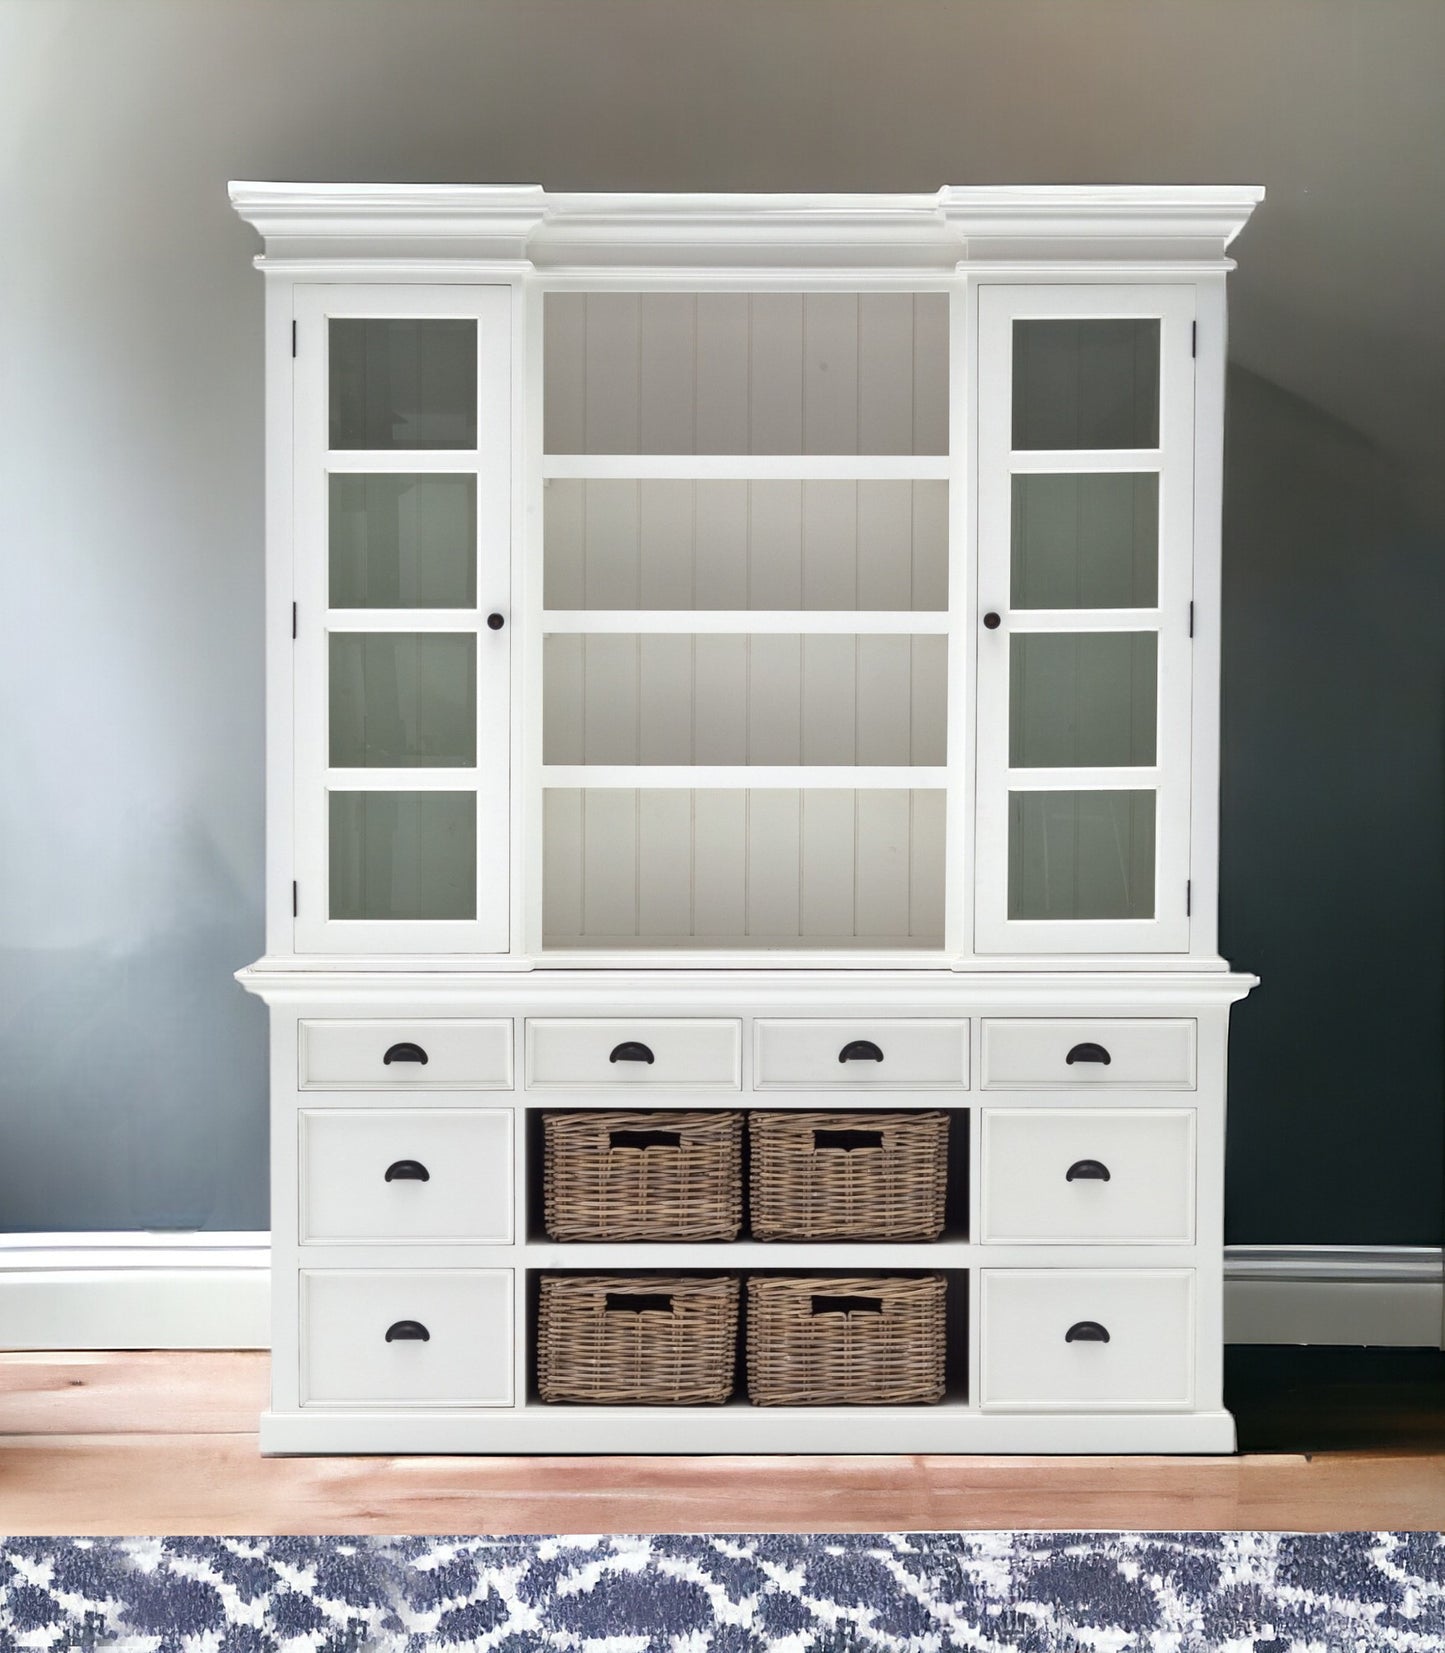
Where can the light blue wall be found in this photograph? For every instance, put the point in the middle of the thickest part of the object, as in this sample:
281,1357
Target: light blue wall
131,1067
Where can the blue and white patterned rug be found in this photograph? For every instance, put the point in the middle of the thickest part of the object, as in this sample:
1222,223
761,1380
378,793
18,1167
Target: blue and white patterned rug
763,1593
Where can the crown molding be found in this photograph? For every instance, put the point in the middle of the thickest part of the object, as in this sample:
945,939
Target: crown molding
311,227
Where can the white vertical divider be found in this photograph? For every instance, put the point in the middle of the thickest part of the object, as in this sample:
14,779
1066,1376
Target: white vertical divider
962,540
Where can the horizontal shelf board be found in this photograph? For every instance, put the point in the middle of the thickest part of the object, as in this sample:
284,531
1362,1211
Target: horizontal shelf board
401,461
785,467
465,620
1071,461
1082,780
742,777
787,1257
744,953
401,780
1082,619
804,622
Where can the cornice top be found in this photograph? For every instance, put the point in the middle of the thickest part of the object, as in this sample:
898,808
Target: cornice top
523,224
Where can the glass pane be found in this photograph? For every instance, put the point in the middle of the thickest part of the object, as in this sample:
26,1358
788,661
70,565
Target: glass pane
650,544
1086,541
399,383
403,541
1081,855
403,700
1086,384
1082,699
403,855
745,700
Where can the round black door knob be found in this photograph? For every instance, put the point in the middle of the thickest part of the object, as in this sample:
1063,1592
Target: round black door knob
992,620
495,622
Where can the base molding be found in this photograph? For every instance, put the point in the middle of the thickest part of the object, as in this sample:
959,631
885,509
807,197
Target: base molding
211,1291
740,1428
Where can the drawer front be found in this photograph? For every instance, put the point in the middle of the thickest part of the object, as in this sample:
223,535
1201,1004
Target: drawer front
1031,1362
1060,1175
671,1052
923,1053
1100,1052
388,1056
406,1174
347,1358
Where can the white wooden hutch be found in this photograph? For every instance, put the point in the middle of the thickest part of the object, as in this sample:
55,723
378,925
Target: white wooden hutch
745,625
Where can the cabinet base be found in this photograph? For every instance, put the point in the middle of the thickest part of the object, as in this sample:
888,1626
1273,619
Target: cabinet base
740,1428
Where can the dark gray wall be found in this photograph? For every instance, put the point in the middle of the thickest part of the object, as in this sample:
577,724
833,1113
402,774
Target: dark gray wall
132,1071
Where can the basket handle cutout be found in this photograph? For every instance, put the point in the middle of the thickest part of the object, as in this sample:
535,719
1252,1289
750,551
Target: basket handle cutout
860,1050
644,1139
847,1140
631,1050
628,1302
847,1305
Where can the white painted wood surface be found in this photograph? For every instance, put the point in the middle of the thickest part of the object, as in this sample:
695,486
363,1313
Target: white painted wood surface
743,738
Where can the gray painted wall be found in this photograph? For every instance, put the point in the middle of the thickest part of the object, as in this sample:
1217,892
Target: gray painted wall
131,1067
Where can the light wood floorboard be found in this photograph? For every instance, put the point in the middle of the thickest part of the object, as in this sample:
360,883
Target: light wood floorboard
164,1443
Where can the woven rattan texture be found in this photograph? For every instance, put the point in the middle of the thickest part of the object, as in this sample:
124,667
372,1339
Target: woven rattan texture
799,1188
595,1186
602,1353
889,1355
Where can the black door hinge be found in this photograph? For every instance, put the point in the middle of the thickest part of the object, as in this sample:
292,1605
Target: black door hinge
1188,898
293,624
1191,621
1193,339
293,338
295,900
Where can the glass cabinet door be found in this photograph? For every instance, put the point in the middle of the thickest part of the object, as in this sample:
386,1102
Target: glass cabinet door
402,625
1086,439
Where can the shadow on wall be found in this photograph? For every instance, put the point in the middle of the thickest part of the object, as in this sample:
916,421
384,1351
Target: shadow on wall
1333,843
134,1095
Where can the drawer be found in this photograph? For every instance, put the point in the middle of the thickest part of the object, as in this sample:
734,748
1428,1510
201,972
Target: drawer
1060,1175
667,1053
926,1053
1064,1340
406,1174
1108,1053
362,1342
396,1056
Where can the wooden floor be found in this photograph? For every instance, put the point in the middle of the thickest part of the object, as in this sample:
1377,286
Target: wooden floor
165,1443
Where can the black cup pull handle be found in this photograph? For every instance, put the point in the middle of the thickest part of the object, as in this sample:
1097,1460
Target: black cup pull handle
412,1170
1088,1053
860,1050
1086,1331
631,1050
1087,1170
405,1052
407,1331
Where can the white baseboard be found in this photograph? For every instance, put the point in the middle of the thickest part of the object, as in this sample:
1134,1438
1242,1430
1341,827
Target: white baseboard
1388,1296
209,1291
134,1291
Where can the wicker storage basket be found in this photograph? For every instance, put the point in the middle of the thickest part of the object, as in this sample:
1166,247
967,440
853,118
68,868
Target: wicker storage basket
642,1176
659,1340
847,1176
829,1340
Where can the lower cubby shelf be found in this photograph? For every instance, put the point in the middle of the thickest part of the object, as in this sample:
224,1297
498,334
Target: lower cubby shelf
861,1337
